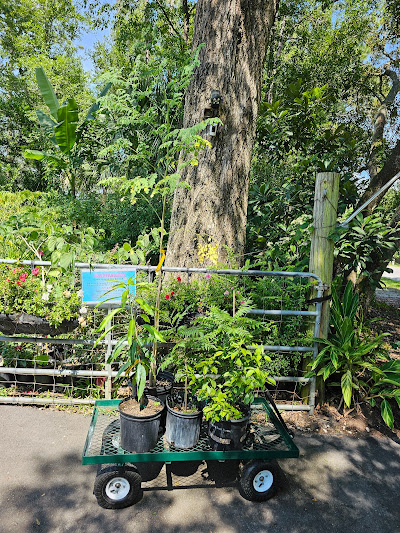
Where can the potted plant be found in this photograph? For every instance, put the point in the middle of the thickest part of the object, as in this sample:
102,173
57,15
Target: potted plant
184,415
226,373
139,415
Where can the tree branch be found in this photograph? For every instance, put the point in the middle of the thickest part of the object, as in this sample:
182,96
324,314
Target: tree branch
389,169
379,177
186,20
169,21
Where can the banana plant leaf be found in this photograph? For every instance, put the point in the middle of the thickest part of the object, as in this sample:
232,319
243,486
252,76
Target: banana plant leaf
91,112
47,92
47,124
39,156
65,130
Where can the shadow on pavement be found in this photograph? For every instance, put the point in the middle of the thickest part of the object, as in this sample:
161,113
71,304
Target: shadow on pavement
339,484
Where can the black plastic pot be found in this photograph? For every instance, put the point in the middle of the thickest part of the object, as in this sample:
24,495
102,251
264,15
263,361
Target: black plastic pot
228,434
161,391
185,468
149,471
182,429
139,433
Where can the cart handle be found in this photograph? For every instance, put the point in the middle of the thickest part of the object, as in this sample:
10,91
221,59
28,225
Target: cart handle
278,414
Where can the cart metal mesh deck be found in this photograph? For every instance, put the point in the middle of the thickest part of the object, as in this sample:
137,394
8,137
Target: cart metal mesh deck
267,439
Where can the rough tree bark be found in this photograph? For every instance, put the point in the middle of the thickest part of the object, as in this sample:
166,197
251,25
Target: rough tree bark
212,214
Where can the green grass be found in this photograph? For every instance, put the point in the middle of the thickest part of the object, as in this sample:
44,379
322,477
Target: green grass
391,283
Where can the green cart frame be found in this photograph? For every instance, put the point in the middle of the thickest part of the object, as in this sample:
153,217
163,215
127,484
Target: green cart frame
120,483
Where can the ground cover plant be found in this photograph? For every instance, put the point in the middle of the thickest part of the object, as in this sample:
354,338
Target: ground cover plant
357,359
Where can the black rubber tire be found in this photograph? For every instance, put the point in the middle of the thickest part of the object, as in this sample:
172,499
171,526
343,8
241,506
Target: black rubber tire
104,483
249,487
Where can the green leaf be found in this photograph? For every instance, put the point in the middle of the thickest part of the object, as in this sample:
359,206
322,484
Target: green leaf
65,131
156,334
145,306
47,91
334,359
347,388
47,124
117,350
108,318
91,112
141,256
124,297
387,414
39,156
34,154
66,260
123,368
140,379
103,334
131,331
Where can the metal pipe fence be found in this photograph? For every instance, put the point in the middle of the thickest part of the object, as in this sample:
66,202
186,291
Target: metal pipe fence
80,373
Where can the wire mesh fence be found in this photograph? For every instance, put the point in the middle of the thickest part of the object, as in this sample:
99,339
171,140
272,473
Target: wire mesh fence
70,369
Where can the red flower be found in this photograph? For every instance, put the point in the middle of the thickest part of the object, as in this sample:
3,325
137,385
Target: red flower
19,284
40,252
179,279
23,277
35,271
167,296
172,293
19,347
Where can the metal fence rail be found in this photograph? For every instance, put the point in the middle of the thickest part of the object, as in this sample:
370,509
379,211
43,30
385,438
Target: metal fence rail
9,374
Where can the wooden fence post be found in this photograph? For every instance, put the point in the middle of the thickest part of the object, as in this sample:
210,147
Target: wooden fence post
326,201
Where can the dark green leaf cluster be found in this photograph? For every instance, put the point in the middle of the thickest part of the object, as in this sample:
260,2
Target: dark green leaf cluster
358,246
353,358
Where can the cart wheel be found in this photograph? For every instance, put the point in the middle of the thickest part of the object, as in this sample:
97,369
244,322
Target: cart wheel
259,480
116,488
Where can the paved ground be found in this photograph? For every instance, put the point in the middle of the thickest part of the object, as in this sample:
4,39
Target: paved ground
390,296
393,275
338,485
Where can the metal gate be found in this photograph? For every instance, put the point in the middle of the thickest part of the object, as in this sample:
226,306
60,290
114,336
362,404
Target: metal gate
99,371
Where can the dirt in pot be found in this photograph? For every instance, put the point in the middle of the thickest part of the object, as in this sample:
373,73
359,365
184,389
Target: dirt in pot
177,402
132,407
163,383
190,409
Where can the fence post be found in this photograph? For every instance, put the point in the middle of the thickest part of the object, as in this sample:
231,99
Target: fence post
326,201
108,382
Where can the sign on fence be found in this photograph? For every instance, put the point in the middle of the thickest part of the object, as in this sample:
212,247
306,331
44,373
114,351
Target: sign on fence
96,283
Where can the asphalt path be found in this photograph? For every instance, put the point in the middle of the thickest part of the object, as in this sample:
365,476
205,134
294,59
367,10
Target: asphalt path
339,485
395,275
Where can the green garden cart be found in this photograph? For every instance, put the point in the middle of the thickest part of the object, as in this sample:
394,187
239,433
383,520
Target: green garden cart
122,476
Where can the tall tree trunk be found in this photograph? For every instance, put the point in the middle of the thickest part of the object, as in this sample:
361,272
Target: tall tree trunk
379,175
208,221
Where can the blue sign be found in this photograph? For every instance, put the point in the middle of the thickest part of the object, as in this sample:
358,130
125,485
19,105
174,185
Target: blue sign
96,283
